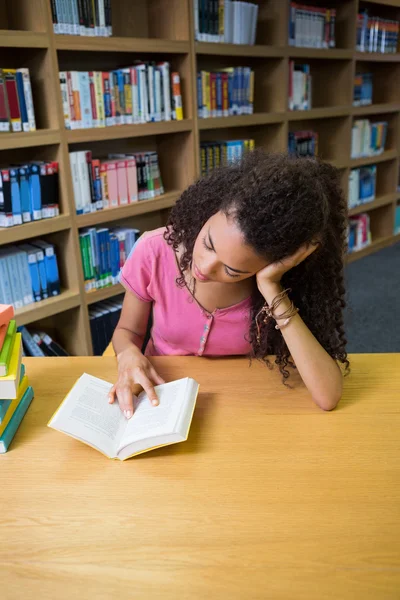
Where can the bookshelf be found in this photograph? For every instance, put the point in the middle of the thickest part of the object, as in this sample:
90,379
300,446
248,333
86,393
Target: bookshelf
164,29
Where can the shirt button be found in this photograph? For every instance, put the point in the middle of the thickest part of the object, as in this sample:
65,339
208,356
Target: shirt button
208,316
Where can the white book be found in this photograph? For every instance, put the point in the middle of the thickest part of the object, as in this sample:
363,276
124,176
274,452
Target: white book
86,102
65,99
28,98
86,415
236,22
254,17
24,275
76,93
102,19
84,181
135,95
196,19
166,88
157,95
151,88
75,16
75,182
228,22
12,269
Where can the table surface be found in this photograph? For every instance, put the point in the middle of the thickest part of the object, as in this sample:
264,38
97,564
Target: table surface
269,498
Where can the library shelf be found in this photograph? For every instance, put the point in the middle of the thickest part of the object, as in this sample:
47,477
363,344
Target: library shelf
116,132
394,3
122,212
120,44
378,244
241,120
104,293
324,112
20,233
258,50
40,137
371,160
23,39
326,54
377,57
377,203
46,308
375,109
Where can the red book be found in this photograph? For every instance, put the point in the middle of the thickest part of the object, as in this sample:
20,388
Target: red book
93,99
4,117
6,314
213,92
12,97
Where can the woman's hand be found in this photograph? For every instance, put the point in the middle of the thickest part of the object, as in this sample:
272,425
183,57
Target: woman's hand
273,273
134,369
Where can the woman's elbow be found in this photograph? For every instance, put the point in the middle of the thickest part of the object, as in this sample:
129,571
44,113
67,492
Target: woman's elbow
328,403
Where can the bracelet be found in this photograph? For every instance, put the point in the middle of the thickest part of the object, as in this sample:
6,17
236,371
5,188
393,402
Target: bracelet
268,312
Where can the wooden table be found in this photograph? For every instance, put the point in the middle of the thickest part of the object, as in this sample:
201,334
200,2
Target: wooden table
270,497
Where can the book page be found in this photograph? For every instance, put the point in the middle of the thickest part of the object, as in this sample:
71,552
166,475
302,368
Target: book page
86,414
150,421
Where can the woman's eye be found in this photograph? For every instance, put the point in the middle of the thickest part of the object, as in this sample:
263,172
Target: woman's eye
205,244
231,274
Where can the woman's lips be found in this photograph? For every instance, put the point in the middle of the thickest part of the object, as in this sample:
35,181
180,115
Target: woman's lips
199,275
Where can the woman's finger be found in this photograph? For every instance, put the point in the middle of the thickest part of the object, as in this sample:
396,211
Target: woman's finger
111,395
125,399
148,387
156,377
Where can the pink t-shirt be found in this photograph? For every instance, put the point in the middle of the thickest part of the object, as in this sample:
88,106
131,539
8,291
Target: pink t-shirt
180,325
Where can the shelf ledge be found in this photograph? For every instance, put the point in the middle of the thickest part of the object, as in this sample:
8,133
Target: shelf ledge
120,44
47,308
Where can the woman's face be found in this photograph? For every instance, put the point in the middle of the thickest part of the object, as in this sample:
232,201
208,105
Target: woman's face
220,254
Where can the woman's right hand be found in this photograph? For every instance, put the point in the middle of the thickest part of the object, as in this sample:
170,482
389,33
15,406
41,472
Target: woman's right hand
134,369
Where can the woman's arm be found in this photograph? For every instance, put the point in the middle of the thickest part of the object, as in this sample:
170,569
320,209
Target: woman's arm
133,367
319,371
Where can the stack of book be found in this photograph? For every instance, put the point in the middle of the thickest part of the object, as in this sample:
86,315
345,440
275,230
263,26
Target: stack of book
300,87
118,180
362,94
28,273
15,392
28,192
376,35
80,17
218,154
362,185
39,344
225,21
359,236
368,139
16,103
312,26
146,92
225,93
104,252
303,143
103,319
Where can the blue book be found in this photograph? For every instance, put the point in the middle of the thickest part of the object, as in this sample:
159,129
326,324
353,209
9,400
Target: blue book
25,194
42,273
35,192
85,100
51,267
199,97
4,404
15,421
22,102
15,197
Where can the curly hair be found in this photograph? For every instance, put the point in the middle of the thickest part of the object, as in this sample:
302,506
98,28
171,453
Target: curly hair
279,203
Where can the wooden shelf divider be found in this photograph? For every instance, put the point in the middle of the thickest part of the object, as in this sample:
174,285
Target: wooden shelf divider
166,29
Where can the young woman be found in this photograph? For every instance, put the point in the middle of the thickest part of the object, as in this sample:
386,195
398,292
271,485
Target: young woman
251,263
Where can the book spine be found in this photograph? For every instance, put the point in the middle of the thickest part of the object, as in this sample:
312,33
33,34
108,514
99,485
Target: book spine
128,117
12,97
99,93
65,99
35,192
177,97
76,96
15,197
4,114
42,274
97,183
6,213
16,290
93,103
81,18
25,194
122,180
107,99
104,186
54,17
71,101
112,184
85,100
84,180
21,100
29,344
132,180
135,95
75,182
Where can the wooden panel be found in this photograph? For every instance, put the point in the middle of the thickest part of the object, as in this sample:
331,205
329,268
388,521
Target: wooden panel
371,160
238,50
261,118
35,229
23,39
127,131
42,137
52,306
119,44
103,294
377,203
29,15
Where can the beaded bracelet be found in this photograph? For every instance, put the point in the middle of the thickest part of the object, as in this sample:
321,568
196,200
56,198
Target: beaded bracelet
268,312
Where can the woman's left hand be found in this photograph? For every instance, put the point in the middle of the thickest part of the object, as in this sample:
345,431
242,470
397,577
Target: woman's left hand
273,273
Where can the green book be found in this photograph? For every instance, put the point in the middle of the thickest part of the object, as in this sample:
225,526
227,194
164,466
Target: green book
5,353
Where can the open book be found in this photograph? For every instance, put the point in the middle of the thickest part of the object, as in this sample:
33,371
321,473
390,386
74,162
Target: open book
86,415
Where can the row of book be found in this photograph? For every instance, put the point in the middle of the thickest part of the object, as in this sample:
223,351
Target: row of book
397,220
362,185
303,143
375,34
118,180
82,17
143,93
104,252
300,86
39,344
225,21
28,192
28,273
225,93
359,233
218,154
103,319
362,90
15,392
312,26
17,112
368,139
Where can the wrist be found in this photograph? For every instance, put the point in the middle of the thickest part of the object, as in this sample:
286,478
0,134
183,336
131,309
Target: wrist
127,353
270,289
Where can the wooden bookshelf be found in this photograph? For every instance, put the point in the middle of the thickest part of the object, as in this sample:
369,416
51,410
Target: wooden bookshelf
163,29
